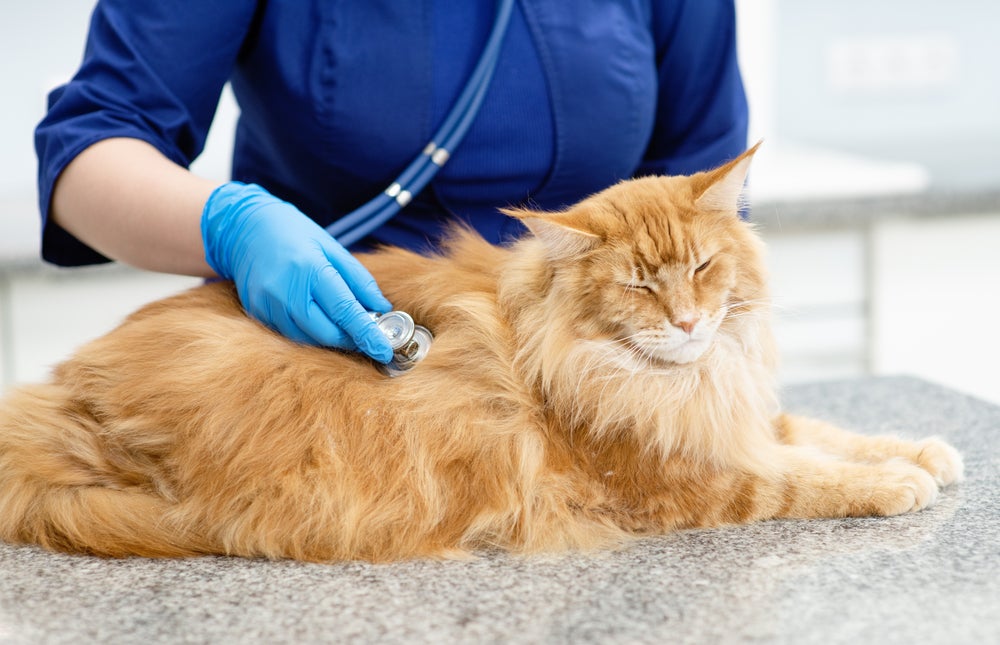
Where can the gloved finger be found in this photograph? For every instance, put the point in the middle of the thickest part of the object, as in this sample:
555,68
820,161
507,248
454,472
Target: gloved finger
279,320
334,297
313,321
271,314
356,276
301,318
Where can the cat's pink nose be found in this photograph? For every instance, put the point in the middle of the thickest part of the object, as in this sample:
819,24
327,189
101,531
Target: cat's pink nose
687,323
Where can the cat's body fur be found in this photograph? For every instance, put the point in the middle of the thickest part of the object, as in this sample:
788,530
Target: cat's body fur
537,422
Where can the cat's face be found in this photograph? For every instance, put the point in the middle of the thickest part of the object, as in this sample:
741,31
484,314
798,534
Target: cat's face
655,265
667,292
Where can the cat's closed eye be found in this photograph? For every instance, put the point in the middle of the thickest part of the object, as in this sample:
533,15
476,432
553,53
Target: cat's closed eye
641,288
703,266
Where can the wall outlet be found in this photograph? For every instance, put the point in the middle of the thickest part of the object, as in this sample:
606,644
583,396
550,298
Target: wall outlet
892,63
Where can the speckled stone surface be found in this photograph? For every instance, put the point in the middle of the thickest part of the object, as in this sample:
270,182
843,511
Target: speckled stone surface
930,577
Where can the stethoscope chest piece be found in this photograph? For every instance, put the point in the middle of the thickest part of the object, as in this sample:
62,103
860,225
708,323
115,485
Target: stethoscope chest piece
410,342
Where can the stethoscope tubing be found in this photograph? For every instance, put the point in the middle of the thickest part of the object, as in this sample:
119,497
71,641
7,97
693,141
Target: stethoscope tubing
360,222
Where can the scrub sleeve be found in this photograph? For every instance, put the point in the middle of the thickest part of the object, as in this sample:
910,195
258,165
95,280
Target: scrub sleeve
701,115
152,71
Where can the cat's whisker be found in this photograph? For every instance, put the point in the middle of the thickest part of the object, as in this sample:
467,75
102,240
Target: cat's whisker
642,356
764,303
627,341
598,363
602,360
748,303
595,362
742,314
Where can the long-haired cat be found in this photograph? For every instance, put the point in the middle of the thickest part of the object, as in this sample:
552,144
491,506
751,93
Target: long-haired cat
607,376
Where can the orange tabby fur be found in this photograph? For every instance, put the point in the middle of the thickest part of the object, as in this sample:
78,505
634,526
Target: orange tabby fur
560,407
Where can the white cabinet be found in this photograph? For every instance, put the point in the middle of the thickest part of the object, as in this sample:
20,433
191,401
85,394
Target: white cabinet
819,291
918,296
936,301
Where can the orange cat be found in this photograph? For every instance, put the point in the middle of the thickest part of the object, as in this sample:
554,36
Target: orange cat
608,376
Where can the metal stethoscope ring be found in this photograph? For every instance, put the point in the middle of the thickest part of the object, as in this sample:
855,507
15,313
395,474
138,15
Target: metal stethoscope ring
410,342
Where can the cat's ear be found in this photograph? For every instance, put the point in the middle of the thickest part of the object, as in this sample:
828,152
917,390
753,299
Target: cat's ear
721,190
563,234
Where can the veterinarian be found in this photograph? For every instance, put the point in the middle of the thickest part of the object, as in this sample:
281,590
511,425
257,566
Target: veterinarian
336,99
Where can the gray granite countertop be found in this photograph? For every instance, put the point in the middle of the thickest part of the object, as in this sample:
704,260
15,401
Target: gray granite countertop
930,577
818,214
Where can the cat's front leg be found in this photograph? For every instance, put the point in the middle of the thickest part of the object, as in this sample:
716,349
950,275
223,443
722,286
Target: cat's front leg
810,483
935,456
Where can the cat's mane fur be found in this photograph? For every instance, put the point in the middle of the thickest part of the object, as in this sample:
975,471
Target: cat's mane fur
531,425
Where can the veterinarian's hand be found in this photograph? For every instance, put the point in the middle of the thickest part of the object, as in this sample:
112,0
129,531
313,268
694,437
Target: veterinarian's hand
290,273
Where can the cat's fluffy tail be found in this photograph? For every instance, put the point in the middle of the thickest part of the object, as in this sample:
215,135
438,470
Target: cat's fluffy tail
60,489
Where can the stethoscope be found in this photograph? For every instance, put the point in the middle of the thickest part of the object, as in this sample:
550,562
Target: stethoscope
411,342
360,222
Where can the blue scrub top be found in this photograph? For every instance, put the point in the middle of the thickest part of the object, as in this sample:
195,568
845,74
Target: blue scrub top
337,97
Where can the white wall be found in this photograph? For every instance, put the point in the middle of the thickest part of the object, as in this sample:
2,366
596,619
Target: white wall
46,313
43,43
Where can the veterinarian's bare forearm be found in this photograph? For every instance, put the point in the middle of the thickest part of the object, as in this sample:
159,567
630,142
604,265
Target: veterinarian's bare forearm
128,201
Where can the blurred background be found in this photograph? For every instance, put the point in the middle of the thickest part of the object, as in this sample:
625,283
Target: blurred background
877,189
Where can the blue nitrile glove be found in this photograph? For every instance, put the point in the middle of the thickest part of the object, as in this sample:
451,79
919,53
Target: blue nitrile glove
290,273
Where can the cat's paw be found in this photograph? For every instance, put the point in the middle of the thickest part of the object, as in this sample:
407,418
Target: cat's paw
941,460
902,488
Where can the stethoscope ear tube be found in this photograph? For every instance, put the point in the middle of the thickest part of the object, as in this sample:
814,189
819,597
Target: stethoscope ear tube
365,219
